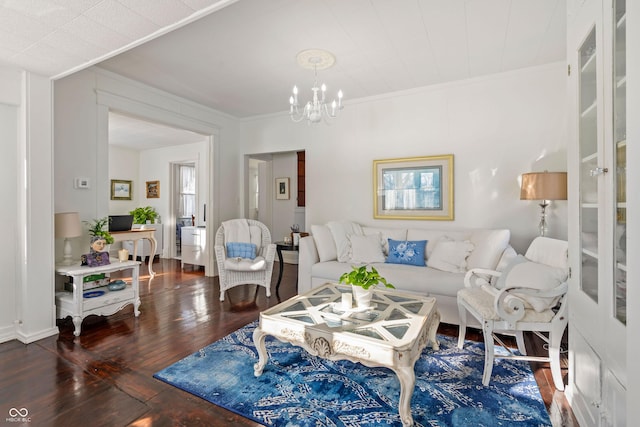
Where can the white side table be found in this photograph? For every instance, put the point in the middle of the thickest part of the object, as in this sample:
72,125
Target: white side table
75,305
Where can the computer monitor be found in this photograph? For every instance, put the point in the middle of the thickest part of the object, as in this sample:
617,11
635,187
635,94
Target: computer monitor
120,222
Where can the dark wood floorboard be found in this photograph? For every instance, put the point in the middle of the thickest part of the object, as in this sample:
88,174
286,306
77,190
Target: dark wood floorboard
104,376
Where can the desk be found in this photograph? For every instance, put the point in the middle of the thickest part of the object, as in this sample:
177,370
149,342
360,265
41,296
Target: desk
282,246
75,305
135,235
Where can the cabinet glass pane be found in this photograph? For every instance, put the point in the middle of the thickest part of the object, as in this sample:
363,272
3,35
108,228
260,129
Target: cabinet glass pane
620,158
589,155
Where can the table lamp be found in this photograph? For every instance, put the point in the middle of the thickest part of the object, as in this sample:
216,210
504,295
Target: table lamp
67,226
544,186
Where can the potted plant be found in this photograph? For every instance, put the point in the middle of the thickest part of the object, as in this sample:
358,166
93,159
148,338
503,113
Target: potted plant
97,229
361,280
144,215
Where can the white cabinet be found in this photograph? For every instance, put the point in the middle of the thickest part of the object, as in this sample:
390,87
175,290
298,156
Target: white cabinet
144,247
194,246
597,57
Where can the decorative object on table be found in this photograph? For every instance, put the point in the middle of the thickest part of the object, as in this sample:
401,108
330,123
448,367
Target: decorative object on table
144,215
544,186
316,109
123,255
153,189
96,256
67,226
311,388
413,188
282,188
117,285
121,190
92,294
362,280
97,229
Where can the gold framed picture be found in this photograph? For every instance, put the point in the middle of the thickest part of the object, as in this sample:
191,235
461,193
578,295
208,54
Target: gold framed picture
121,189
413,188
153,189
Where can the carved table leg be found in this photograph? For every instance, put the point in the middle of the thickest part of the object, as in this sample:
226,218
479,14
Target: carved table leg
407,378
77,323
433,329
258,341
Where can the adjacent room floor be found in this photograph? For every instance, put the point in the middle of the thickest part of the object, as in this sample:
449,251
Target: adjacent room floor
104,377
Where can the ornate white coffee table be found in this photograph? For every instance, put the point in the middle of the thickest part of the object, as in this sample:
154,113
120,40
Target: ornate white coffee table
391,334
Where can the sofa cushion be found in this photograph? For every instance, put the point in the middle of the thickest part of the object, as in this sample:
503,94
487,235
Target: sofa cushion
409,278
366,249
432,237
451,255
243,264
325,244
529,274
341,230
241,250
410,252
489,246
384,234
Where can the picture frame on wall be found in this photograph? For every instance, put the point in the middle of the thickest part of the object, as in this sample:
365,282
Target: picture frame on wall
121,189
414,188
282,189
153,189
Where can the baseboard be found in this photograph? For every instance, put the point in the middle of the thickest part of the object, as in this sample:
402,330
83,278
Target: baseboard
7,333
29,338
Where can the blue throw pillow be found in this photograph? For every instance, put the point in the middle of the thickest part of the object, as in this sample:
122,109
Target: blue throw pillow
407,252
241,250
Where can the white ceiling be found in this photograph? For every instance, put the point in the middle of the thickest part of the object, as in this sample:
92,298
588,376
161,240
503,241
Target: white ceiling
239,56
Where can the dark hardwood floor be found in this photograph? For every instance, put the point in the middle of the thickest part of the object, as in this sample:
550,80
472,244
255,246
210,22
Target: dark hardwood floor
104,376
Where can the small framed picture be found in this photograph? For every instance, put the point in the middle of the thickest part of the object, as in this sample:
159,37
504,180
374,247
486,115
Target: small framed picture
121,190
153,189
282,188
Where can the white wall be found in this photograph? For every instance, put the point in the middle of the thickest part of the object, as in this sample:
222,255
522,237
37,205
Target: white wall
155,166
497,127
284,166
82,105
124,164
8,218
28,310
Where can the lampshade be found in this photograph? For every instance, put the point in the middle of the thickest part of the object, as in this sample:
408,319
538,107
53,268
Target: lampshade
67,224
544,186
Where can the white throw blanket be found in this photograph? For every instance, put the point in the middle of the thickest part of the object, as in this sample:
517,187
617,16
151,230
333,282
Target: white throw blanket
236,230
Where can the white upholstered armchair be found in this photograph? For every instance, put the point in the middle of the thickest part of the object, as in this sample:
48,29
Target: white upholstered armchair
529,295
244,254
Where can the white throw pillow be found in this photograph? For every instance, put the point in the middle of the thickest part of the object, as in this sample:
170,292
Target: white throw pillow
366,249
450,255
341,230
325,245
489,246
531,274
385,234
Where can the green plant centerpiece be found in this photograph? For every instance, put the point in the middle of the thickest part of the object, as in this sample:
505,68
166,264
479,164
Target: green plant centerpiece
362,280
97,229
143,214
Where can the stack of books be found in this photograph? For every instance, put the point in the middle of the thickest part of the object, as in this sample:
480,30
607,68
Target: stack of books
89,282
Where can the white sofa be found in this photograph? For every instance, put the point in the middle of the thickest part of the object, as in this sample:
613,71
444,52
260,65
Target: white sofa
332,250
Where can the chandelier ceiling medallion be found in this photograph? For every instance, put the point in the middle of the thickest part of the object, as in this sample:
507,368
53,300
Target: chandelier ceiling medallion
316,109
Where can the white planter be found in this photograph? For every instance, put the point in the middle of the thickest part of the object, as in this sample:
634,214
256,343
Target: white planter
362,296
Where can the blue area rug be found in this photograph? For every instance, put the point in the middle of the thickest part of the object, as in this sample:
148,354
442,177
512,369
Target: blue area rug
297,389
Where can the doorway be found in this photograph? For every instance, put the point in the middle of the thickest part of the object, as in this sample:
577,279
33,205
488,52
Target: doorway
185,199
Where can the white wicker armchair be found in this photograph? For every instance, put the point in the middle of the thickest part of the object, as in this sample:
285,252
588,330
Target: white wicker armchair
530,295
240,271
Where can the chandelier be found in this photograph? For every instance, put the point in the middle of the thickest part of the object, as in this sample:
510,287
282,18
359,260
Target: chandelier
316,109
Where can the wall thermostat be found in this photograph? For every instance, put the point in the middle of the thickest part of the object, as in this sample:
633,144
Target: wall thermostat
82,183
